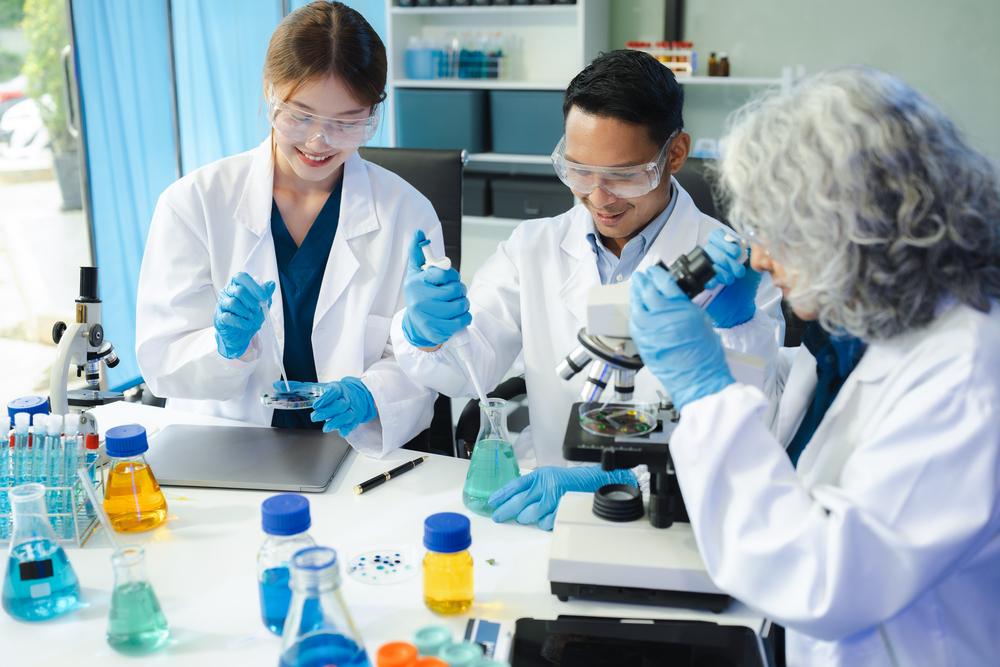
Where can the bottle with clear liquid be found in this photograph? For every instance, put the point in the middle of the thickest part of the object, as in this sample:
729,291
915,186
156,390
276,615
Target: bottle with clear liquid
285,518
132,498
136,623
319,630
493,463
40,582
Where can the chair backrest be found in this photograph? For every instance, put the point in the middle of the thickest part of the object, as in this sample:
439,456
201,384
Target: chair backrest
437,175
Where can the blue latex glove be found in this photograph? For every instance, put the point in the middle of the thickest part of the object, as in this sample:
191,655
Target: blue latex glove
436,307
344,405
675,339
534,497
240,313
735,304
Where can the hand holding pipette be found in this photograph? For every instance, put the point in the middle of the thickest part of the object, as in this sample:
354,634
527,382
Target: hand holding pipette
239,314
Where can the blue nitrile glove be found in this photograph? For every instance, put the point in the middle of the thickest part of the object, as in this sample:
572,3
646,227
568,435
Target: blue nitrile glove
239,314
344,405
436,307
675,339
534,497
735,304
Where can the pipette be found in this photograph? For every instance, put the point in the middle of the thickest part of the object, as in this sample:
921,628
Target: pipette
277,346
459,342
91,492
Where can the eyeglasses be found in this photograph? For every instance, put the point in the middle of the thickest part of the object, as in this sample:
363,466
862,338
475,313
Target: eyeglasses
623,182
301,126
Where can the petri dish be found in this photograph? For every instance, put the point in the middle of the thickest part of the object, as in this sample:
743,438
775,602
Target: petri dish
298,399
616,419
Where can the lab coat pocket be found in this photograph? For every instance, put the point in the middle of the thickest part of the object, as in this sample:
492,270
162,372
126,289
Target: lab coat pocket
376,338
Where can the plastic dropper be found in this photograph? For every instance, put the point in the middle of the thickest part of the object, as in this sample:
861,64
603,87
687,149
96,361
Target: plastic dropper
459,342
277,346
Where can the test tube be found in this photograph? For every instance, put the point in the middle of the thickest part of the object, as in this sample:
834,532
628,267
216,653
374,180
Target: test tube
72,453
53,469
21,452
37,442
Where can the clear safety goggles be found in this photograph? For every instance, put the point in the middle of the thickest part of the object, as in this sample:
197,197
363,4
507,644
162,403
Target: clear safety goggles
302,127
623,182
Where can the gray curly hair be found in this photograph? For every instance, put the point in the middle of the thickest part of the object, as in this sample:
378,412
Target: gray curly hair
866,193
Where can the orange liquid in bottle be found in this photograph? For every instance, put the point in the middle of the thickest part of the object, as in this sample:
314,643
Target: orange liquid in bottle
132,498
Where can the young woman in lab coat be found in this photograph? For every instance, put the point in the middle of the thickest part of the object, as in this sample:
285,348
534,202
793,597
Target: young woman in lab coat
300,227
880,544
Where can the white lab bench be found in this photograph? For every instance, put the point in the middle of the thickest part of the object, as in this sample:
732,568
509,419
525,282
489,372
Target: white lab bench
202,564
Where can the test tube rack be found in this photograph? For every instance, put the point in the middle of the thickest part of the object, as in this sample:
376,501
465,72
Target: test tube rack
73,527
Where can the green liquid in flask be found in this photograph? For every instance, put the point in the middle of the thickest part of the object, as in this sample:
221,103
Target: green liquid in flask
136,623
493,464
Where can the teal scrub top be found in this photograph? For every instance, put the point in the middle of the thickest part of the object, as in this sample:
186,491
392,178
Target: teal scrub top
300,276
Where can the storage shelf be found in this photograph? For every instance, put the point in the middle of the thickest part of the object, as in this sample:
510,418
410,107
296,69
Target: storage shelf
510,158
489,220
488,9
727,81
477,84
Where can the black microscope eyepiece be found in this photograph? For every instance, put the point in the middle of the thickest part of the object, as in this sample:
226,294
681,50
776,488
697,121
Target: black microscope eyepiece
692,271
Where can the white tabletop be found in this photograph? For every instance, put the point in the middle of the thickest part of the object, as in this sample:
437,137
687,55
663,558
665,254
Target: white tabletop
202,564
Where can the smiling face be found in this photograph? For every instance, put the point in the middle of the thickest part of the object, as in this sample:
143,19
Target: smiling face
603,141
312,162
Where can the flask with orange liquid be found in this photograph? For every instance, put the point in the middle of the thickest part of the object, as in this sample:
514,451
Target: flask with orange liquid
132,498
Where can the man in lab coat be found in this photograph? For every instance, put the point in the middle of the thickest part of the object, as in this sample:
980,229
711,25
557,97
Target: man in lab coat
623,141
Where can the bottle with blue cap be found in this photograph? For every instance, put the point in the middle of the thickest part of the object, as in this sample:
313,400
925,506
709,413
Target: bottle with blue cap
132,497
448,563
285,519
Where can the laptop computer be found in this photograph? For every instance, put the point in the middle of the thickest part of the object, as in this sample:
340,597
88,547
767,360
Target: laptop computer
246,457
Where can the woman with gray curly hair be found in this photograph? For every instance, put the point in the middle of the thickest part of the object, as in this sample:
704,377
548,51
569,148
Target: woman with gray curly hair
867,521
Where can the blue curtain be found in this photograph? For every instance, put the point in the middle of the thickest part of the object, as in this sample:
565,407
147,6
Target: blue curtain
219,48
123,72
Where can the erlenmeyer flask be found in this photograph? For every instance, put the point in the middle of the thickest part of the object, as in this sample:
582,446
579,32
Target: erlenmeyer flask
40,582
136,623
493,463
318,629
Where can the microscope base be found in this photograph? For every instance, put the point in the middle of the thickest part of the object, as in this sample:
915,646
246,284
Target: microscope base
632,562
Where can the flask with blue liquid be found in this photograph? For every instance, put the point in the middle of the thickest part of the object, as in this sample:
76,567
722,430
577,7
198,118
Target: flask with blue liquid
40,582
319,630
285,519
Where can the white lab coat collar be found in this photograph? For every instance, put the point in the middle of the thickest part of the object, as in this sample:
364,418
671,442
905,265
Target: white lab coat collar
678,235
357,218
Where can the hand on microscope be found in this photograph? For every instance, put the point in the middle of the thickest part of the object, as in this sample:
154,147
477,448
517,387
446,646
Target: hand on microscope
735,304
534,497
675,339
343,405
436,306
239,314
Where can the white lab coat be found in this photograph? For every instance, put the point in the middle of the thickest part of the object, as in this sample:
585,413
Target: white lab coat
883,547
531,297
214,223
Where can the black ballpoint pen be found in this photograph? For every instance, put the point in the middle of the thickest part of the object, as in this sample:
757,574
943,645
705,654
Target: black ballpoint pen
370,484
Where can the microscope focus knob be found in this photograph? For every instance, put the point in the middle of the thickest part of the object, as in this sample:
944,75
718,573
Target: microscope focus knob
58,329
96,335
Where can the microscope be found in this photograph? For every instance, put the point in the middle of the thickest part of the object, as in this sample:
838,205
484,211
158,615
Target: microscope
600,548
82,343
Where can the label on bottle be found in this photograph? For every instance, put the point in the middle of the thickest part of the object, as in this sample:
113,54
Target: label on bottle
35,569
40,590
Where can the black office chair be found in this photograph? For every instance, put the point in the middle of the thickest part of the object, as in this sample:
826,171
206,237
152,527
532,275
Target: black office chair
437,175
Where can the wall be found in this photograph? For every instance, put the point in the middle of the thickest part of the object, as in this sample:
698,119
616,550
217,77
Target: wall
946,49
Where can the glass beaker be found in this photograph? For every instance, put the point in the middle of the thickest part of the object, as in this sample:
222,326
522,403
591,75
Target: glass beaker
40,581
136,623
493,463
318,629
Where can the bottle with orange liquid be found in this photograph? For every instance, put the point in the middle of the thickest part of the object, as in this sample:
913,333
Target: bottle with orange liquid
132,498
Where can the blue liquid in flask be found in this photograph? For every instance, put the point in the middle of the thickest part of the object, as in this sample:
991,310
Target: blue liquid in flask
40,582
324,649
275,595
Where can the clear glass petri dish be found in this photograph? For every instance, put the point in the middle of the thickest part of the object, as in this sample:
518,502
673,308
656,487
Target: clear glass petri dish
297,399
617,419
